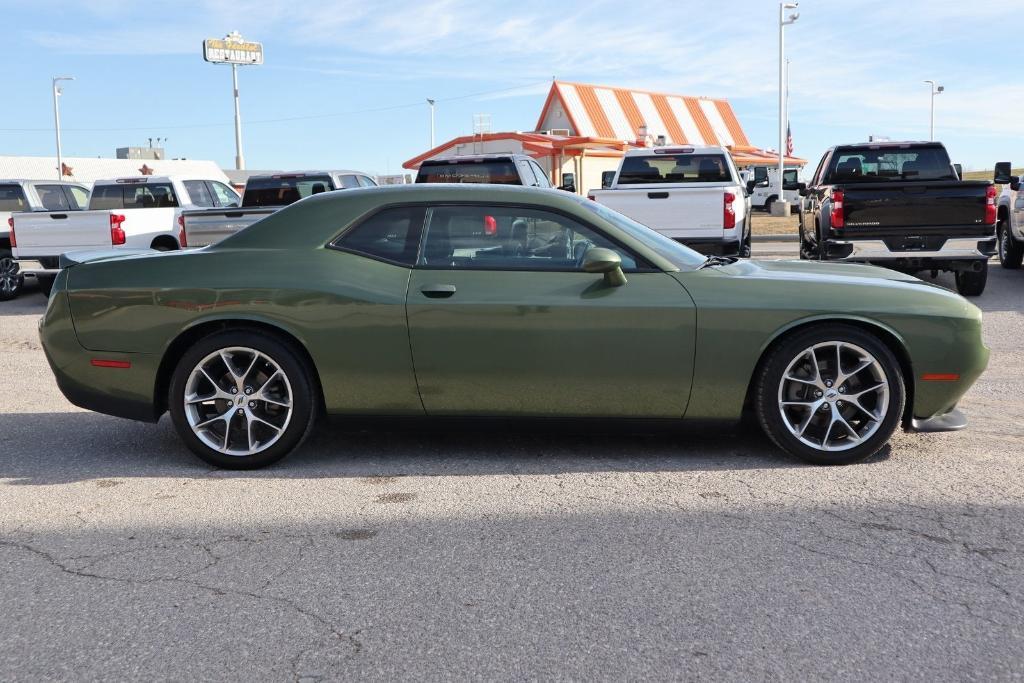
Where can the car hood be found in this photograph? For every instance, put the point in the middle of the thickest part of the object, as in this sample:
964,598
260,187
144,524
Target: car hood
819,271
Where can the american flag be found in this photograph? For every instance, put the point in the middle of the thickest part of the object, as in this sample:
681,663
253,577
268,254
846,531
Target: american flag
789,140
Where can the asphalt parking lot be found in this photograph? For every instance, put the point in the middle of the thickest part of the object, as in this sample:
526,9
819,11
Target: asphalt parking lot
502,553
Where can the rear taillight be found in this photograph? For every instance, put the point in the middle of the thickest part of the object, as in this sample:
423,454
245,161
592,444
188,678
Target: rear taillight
837,219
182,237
116,231
10,223
990,205
591,197
728,212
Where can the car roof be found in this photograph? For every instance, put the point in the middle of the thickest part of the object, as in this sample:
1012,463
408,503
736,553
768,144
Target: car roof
34,181
279,174
673,149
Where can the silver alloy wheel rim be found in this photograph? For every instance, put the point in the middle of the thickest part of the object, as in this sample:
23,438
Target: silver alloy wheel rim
9,275
833,396
238,401
1004,235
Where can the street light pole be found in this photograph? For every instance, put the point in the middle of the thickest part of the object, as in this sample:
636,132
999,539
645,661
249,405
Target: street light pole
56,121
935,90
239,159
783,206
431,103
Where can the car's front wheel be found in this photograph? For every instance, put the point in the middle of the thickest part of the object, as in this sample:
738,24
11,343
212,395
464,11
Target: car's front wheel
831,395
10,279
242,400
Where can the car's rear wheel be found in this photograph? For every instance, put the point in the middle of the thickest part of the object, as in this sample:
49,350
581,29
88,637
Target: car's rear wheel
972,282
1011,252
242,400
831,395
10,279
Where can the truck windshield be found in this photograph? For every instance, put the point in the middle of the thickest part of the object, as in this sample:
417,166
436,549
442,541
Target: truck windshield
283,190
674,168
12,198
873,164
492,172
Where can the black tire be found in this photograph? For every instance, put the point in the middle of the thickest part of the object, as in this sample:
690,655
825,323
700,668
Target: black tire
772,392
768,204
972,282
1011,252
45,284
11,281
746,246
298,380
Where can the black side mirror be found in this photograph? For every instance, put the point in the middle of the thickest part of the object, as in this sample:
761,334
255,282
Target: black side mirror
568,182
1002,173
959,168
751,184
1014,183
607,178
801,189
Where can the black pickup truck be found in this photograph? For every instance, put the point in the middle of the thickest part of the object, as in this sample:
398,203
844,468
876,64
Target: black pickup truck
900,205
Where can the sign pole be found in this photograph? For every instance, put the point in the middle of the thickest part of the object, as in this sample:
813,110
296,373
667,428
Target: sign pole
239,159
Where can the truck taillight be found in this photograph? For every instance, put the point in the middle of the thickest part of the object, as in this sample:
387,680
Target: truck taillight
989,205
182,237
837,219
729,212
10,224
116,231
591,197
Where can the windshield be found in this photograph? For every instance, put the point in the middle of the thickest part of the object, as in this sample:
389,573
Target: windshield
283,190
492,172
682,257
674,168
877,164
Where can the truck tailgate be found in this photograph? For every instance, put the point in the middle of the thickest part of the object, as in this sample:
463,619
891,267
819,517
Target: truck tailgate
55,232
691,212
920,206
207,227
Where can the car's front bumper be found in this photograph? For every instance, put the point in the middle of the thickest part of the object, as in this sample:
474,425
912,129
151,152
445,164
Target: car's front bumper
952,421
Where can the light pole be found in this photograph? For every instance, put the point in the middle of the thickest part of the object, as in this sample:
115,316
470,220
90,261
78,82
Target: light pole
431,103
781,207
56,120
935,90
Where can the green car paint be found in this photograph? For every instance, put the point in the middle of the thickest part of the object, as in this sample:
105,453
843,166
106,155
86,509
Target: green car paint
676,340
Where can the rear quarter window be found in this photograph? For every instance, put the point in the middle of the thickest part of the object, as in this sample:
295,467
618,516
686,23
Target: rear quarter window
12,198
390,235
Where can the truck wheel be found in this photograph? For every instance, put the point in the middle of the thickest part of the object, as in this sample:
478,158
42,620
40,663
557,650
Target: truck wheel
972,282
1011,252
769,202
45,284
745,246
10,279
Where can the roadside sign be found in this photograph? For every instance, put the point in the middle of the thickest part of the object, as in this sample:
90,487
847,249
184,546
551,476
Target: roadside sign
232,50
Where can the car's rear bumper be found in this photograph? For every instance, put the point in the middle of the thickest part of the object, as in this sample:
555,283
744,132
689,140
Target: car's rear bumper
38,266
875,250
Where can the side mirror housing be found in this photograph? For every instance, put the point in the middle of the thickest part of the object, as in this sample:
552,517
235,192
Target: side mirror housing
801,189
607,178
568,182
1014,183
1002,173
959,168
601,260
751,184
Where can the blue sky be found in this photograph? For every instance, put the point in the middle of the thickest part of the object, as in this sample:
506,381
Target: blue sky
344,83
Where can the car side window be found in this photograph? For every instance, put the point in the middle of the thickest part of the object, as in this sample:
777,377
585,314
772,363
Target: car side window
199,193
390,235
53,198
529,179
510,238
366,181
224,195
349,181
542,177
818,171
79,197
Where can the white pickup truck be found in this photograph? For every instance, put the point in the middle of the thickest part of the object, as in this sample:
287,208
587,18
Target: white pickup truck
17,196
691,193
134,213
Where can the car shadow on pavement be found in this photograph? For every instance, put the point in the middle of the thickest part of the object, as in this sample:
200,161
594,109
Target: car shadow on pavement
58,448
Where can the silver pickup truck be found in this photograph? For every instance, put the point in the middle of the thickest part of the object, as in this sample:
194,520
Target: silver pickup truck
263,195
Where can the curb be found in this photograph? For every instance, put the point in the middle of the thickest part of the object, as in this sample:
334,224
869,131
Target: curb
775,238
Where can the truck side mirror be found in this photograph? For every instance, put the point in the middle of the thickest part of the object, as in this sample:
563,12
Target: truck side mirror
751,184
959,168
607,178
568,182
1002,173
1014,183
801,189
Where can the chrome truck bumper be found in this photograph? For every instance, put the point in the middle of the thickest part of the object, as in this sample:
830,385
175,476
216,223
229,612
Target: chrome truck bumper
960,248
34,267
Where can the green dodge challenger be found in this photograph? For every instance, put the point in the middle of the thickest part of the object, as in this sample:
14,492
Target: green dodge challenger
455,300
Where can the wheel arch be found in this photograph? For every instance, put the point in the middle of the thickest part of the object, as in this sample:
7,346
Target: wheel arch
204,328
888,336
167,241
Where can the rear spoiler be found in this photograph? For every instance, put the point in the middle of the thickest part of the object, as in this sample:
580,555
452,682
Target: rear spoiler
73,258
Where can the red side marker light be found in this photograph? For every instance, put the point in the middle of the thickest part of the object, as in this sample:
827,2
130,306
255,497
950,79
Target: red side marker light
106,363
940,377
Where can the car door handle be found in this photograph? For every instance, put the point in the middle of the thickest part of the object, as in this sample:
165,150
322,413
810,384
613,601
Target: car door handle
437,291
56,216
657,195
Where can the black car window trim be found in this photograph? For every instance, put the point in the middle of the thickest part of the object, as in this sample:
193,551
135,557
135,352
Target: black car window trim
643,265
333,243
